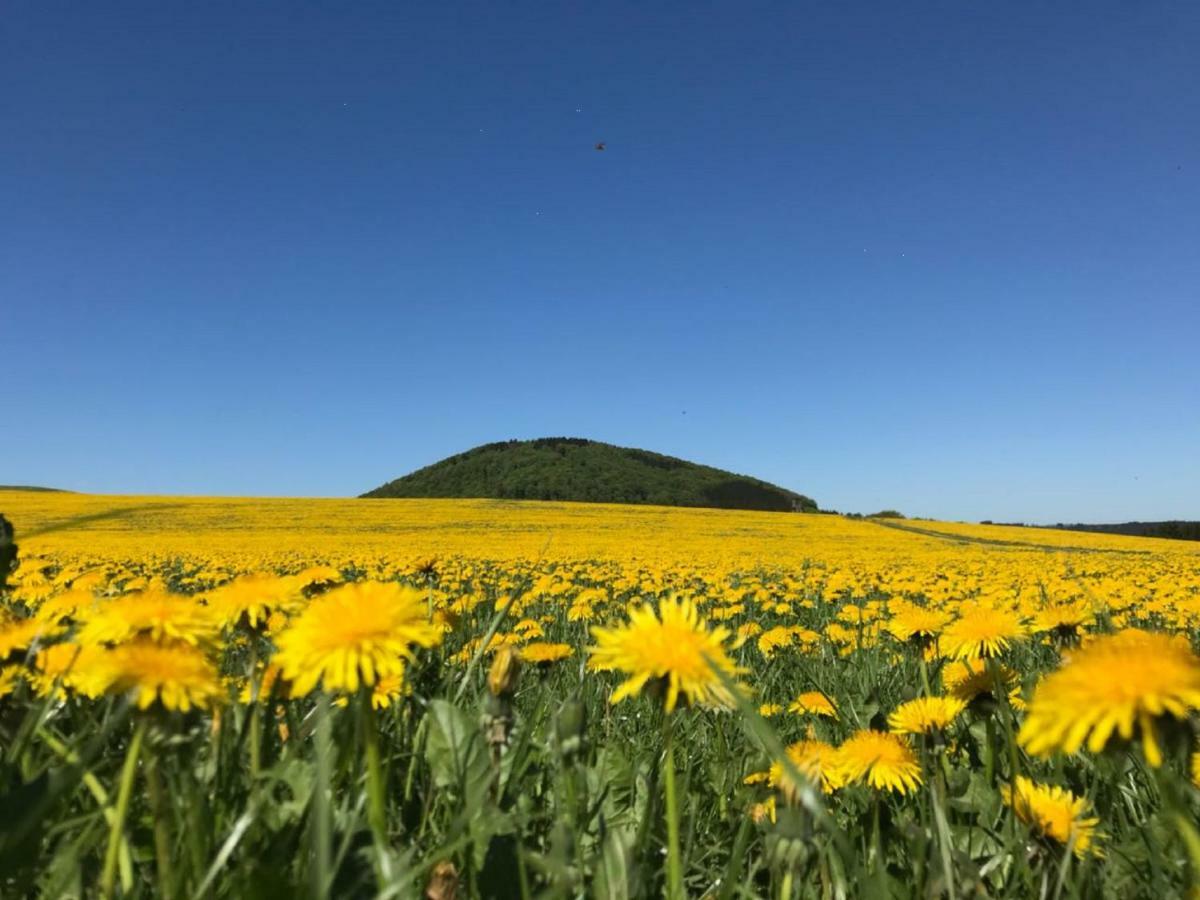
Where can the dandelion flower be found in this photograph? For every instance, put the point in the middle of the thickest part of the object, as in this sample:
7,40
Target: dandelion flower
981,631
17,635
1063,621
774,639
354,634
177,674
768,710
760,812
268,680
925,714
10,677
152,613
1118,682
815,703
884,761
815,759
1053,812
677,649
543,653
389,689
910,622
967,679
67,665
318,575
252,599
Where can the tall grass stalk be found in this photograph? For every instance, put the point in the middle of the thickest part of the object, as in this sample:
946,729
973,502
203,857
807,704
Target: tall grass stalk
124,792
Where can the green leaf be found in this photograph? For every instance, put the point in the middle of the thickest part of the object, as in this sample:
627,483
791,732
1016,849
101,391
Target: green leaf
613,875
456,755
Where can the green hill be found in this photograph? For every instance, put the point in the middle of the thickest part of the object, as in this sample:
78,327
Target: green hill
588,471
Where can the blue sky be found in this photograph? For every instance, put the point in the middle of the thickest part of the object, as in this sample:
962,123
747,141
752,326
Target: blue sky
942,257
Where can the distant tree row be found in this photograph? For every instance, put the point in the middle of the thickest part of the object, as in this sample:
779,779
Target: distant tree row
1175,529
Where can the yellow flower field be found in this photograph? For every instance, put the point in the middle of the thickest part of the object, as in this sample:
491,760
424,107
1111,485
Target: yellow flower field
484,698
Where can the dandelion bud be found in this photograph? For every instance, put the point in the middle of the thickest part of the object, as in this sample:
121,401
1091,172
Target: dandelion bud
443,882
506,667
569,728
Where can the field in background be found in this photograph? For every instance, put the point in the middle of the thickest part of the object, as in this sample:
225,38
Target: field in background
208,697
496,529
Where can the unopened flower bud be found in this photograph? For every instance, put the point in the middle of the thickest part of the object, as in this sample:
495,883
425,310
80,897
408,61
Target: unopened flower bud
506,667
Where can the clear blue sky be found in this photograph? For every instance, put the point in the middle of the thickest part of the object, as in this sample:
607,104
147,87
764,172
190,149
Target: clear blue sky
943,257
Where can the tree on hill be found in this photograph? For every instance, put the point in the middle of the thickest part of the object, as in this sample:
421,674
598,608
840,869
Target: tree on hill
582,470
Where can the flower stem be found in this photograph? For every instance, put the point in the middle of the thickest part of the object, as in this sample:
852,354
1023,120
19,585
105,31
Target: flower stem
322,829
255,713
124,790
674,863
376,785
162,836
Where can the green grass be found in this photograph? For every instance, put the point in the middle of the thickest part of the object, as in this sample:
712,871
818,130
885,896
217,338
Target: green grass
572,804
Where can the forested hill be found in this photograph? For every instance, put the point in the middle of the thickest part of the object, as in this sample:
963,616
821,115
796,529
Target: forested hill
589,471
1177,529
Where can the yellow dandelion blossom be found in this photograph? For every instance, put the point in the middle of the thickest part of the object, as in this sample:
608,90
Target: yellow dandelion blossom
152,613
925,714
677,648
981,631
745,632
967,679
389,689
1063,620
252,599
724,612
318,575
67,665
911,622
884,761
10,677
177,674
1053,812
767,710
813,703
1118,682
354,634
543,653
816,760
18,635
774,639
761,812
268,680
66,605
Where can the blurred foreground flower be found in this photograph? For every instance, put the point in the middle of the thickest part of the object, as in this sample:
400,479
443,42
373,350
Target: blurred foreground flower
177,674
1117,683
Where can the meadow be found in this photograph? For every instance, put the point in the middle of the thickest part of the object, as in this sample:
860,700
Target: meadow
228,698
